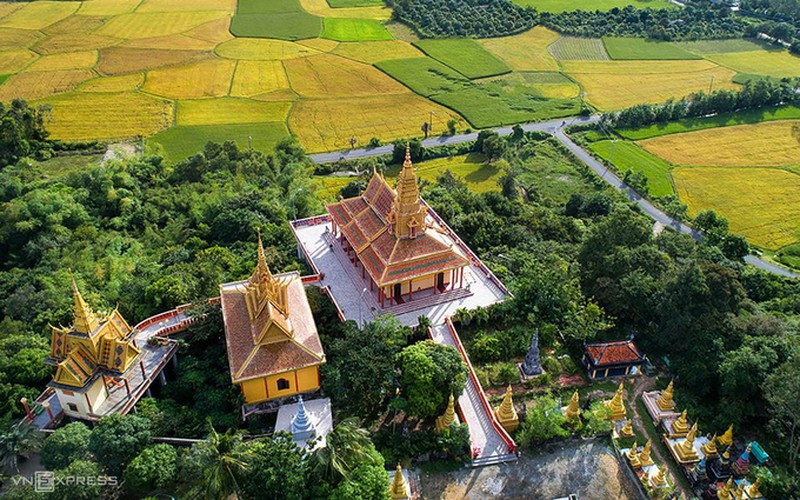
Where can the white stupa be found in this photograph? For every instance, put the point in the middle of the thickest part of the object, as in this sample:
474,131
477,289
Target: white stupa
305,421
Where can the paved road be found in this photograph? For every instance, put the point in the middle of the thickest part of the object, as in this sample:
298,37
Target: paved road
556,128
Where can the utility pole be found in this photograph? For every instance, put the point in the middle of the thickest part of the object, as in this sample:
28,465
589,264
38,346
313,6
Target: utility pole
711,86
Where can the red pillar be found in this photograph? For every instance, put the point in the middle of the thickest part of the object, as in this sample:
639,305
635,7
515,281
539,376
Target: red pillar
127,386
49,411
410,291
144,373
24,402
461,277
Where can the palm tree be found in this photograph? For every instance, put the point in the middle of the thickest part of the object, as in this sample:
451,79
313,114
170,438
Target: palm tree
225,458
18,441
347,447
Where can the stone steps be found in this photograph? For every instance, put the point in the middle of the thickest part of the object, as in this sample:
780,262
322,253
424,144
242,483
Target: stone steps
493,460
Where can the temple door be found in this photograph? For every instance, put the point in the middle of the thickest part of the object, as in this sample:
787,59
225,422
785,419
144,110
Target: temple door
440,282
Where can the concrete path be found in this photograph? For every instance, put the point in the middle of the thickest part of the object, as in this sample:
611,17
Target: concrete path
556,128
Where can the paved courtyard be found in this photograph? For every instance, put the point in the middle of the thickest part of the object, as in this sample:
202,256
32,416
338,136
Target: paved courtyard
356,302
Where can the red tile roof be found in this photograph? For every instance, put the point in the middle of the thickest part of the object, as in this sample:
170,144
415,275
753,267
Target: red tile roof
614,353
246,358
386,258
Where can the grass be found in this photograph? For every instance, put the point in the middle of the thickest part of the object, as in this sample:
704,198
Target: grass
327,76
354,30
526,51
743,78
372,52
722,46
760,203
181,142
3,79
789,256
618,84
228,111
252,78
479,176
779,64
61,165
465,56
282,19
628,156
328,124
556,6
40,84
569,48
210,78
256,49
706,122
85,116
639,48
766,144
490,102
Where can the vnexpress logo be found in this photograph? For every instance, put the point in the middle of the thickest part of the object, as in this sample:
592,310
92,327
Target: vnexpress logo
44,482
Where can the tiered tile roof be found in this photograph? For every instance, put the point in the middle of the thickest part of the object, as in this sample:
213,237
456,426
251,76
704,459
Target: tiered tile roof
614,353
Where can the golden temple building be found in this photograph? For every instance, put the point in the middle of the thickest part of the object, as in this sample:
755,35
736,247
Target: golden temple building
273,346
86,354
387,232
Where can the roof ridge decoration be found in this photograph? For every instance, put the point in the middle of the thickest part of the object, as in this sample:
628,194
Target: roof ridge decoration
407,215
265,293
84,320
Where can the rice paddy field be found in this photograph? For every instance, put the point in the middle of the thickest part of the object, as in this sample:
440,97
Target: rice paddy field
628,156
478,175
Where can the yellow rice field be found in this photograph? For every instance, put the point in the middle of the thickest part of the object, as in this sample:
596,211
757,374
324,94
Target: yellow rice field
38,15
778,64
766,144
70,60
155,24
83,116
113,83
14,39
186,6
328,76
216,31
258,49
122,60
322,9
13,61
609,85
203,79
328,124
39,84
372,52
74,43
760,203
7,8
73,25
226,110
171,42
526,51
107,7
258,77
320,44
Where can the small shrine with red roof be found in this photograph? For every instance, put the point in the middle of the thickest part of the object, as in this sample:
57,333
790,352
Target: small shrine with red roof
612,359
274,350
399,248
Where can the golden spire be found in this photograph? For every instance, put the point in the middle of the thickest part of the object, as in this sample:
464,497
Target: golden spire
710,448
644,456
738,494
506,414
685,449
398,487
752,490
448,417
407,214
627,429
574,408
262,269
84,320
727,438
665,402
660,478
681,426
632,456
725,492
618,411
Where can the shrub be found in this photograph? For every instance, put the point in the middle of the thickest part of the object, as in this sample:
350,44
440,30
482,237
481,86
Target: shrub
65,445
153,469
506,373
551,365
486,348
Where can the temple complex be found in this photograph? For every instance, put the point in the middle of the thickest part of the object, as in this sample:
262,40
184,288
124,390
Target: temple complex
388,234
88,356
273,346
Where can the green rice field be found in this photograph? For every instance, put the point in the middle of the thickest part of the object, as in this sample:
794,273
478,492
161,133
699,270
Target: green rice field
570,48
628,156
181,142
465,56
641,49
354,30
281,19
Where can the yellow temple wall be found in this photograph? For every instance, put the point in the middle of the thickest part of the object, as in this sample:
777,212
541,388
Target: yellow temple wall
264,388
423,283
96,395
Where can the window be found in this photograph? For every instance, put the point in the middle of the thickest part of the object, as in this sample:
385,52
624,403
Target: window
73,407
283,384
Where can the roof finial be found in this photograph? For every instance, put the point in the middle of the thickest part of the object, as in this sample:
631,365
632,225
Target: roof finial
84,320
407,161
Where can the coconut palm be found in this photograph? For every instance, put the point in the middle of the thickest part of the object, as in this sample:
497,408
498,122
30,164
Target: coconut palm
347,447
224,460
18,441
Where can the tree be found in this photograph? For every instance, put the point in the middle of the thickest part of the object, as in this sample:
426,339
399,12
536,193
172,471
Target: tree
780,391
543,422
368,482
348,446
218,464
278,469
117,439
19,441
153,469
69,490
65,445
429,373
22,131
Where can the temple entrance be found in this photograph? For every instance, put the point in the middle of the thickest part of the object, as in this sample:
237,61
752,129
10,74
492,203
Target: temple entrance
440,282
398,293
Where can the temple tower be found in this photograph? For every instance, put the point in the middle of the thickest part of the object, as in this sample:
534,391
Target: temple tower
644,456
660,479
685,449
710,448
727,438
627,429
399,487
632,456
725,492
666,401
407,215
302,427
616,404
532,365
573,412
448,417
506,413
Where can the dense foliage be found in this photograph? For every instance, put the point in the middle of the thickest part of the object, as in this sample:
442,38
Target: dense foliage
463,18
755,94
22,131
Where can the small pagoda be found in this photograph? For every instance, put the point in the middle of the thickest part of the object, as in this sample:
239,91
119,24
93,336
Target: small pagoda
389,234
